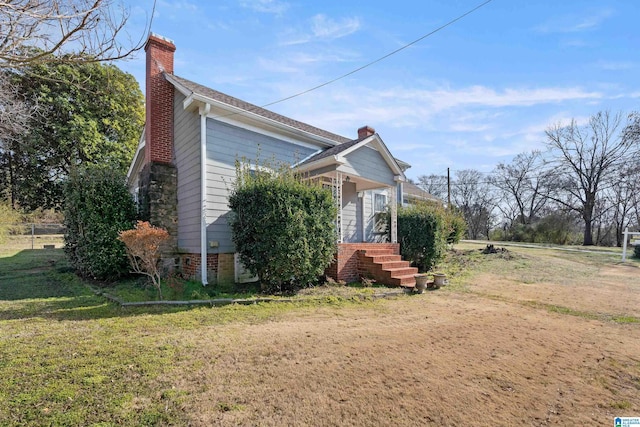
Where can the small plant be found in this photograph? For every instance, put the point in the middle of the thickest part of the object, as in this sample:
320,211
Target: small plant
176,284
331,282
143,250
367,282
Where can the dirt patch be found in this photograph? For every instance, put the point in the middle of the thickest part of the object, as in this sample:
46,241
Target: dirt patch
443,358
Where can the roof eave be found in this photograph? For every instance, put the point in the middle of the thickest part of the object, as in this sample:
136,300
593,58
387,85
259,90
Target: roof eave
325,161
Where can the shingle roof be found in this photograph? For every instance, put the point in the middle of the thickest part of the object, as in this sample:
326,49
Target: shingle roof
238,103
333,150
414,190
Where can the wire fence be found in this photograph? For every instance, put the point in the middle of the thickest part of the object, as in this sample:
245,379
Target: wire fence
33,236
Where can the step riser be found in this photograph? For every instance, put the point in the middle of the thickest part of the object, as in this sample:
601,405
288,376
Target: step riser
384,258
401,270
385,265
374,252
397,272
404,282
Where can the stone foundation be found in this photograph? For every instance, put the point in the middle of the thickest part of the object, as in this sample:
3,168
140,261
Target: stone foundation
157,203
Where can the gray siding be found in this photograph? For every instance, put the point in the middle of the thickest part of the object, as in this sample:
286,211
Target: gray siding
226,144
368,163
350,220
186,133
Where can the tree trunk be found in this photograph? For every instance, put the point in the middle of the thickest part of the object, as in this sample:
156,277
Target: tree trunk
588,236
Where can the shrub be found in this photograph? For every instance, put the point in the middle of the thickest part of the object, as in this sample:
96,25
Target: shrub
143,250
423,234
636,251
9,220
282,226
455,224
97,207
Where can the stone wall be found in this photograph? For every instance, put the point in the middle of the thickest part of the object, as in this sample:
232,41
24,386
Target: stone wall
157,203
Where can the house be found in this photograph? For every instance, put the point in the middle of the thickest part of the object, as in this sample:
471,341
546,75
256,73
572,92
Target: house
185,165
412,194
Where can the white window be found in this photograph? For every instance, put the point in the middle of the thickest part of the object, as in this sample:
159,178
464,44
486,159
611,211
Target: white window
379,202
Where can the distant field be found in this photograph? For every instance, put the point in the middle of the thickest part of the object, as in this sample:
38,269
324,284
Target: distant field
14,243
531,337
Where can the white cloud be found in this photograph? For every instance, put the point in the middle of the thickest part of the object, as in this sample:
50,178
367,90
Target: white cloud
474,109
177,6
446,98
266,6
574,24
326,28
323,28
615,65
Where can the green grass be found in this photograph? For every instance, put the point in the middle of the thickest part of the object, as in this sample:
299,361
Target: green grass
139,289
70,357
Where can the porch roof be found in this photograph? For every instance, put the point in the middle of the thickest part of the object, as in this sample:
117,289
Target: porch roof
333,158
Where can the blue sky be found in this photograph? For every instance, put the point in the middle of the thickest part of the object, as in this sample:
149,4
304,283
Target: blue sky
474,94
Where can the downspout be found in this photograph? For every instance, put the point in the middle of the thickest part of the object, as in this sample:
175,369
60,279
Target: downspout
204,111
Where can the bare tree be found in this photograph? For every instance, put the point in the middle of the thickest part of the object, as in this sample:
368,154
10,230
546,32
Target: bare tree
14,117
83,30
586,156
522,187
436,185
620,199
39,32
14,111
472,194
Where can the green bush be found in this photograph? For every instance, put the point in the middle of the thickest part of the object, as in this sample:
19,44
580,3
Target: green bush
455,224
423,230
636,251
283,227
97,207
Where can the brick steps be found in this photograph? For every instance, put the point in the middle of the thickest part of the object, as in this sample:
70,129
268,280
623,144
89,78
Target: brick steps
405,281
387,268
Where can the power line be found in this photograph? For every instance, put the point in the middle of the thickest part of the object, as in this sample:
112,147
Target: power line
367,65
382,58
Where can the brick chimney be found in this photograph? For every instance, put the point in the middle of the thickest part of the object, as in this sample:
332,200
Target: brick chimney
158,179
365,131
159,100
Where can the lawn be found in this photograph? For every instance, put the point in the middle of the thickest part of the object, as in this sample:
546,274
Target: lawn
529,336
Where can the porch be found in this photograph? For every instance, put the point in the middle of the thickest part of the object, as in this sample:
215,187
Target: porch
363,178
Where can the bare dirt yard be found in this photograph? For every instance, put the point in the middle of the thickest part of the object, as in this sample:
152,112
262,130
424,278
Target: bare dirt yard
531,337
543,338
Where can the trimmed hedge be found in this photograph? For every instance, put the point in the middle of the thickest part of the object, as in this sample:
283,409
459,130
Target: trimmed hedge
97,207
424,230
283,227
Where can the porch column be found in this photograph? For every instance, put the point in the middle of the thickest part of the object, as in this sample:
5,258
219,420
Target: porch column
337,187
394,214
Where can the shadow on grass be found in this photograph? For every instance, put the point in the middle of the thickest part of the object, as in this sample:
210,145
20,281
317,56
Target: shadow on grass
40,284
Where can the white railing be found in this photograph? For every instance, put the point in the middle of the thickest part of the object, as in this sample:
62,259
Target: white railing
626,234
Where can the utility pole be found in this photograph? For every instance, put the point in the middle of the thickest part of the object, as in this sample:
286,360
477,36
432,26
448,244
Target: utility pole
448,189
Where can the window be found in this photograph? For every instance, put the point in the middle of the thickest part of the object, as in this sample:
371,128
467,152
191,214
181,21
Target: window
379,202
